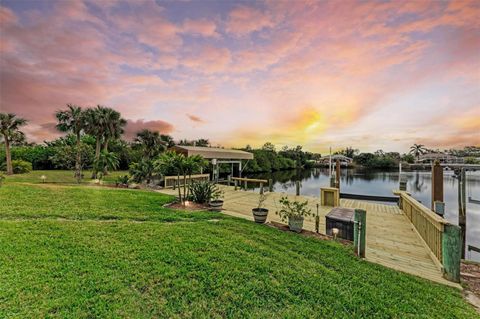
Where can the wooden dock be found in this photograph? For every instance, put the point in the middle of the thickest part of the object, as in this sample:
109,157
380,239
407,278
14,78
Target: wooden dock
391,238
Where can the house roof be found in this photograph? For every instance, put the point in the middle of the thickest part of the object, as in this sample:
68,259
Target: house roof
212,152
335,157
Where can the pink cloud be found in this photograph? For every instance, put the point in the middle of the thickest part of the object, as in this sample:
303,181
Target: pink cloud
202,27
244,20
133,127
195,118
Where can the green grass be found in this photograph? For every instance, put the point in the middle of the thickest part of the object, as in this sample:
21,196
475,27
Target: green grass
61,177
83,252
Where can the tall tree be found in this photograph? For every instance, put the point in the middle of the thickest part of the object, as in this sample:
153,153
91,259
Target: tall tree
113,125
73,120
9,129
95,126
150,142
417,150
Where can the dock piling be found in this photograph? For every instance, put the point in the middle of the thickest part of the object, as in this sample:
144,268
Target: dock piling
359,232
451,252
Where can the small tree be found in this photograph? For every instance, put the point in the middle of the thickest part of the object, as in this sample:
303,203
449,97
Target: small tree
9,129
106,161
73,120
180,165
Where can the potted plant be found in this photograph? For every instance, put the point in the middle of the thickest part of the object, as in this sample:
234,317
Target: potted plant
294,213
216,203
259,213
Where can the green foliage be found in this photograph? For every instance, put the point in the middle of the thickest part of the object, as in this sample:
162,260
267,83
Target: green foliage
122,180
65,156
472,160
293,209
348,152
203,192
377,160
142,171
409,158
2,178
150,143
20,167
105,161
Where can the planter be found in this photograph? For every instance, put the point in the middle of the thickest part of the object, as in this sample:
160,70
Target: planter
260,215
295,223
216,205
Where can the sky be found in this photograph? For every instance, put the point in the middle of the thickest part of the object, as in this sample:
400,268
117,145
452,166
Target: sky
368,74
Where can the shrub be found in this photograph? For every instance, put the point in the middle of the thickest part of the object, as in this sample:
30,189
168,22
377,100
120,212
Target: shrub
293,209
122,180
21,167
203,192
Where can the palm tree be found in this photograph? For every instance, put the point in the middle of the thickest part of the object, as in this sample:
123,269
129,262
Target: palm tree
73,120
191,165
95,127
113,123
9,129
417,150
151,142
171,162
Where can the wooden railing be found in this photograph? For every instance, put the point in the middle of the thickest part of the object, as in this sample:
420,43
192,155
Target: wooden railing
171,181
429,225
238,180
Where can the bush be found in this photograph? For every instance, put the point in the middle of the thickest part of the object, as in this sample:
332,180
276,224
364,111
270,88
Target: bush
21,167
203,192
122,180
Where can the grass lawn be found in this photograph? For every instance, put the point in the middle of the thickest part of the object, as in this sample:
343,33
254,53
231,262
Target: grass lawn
61,177
83,252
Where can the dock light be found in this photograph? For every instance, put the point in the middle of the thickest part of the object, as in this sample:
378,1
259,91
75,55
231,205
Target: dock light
187,203
43,178
335,232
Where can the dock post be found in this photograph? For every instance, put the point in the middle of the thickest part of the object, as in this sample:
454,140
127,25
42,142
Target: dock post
337,174
317,221
359,232
439,208
297,188
451,252
229,179
245,184
261,188
437,183
235,184
270,185
332,181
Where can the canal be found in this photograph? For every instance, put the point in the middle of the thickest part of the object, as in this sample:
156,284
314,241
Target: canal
381,183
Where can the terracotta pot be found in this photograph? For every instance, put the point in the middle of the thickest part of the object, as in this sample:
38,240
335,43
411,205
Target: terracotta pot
295,223
260,215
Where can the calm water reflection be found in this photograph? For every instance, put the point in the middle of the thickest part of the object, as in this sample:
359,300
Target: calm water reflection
370,182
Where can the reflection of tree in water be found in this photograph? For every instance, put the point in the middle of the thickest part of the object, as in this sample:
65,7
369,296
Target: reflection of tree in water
417,185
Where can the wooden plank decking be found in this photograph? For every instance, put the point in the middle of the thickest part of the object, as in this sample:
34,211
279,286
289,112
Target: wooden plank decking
391,239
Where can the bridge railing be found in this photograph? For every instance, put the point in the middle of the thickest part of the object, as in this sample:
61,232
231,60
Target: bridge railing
429,225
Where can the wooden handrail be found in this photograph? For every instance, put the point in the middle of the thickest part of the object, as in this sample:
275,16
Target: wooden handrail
244,179
428,225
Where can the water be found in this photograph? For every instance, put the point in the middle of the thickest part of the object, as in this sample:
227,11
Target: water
381,183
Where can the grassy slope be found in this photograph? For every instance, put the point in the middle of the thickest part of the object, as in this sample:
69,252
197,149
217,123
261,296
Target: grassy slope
142,266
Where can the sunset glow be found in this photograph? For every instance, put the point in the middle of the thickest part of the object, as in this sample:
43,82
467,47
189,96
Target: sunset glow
375,74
